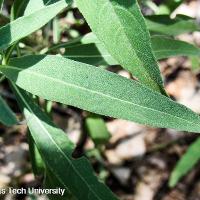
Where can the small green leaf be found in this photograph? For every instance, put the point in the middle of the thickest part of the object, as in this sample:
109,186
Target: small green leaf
120,26
10,33
97,129
92,53
89,49
35,5
186,163
56,151
167,26
99,91
166,47
7,117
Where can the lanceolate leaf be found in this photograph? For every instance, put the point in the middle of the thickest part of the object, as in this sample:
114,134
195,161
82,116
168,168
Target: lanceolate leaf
121,27
99,91
7,117
34,5
165,47
94,54
186,163
56,151
90,50
27,7
10,33
167,26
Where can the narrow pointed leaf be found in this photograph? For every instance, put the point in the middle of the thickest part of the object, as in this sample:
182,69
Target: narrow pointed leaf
186,163
56,150
120,26
167,26
166,47
34,5
27,7
28,24
91,53
99,91
90,50
7,117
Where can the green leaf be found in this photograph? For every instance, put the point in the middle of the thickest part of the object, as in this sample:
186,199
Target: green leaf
56,151
7,117
97,129
36,160
120,26
35,5
92,53
167,26
89,49
27,7
99,91
186,163
166,47
10,33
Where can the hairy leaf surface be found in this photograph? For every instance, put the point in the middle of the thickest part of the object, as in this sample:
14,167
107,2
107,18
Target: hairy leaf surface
99,91
121,27
166,47
90,50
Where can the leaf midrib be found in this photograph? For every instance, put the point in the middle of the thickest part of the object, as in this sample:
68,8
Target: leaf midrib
130,42
100,93
50,137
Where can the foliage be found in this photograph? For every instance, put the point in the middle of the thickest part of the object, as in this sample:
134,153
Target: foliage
120,36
